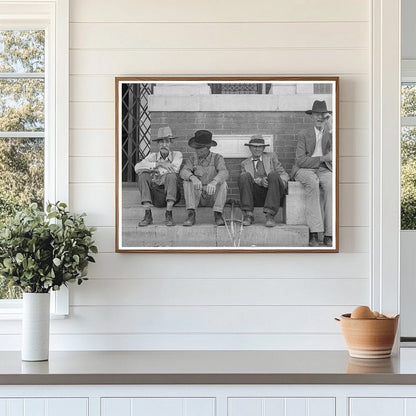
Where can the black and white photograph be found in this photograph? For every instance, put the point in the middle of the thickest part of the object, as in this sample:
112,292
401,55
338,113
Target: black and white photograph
227,165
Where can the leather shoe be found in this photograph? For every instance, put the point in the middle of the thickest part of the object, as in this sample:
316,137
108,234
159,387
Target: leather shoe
270,222
191,218
313,240
328,240
248,219
169,219
147,220
218,219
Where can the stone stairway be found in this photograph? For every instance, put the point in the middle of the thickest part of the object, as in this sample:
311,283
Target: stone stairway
204,233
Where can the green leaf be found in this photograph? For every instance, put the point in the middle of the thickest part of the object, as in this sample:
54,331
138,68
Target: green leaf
57,262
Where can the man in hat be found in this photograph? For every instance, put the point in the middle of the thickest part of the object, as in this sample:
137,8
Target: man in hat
313,169
262,182
204,175
158,178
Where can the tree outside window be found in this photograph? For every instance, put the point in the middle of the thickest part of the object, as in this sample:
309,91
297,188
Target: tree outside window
408,157
22,124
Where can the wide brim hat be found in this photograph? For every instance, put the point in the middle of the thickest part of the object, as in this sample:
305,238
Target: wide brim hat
202,138
164,133
318,107
256,140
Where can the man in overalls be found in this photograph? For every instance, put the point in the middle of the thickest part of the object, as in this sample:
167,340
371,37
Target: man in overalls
204,177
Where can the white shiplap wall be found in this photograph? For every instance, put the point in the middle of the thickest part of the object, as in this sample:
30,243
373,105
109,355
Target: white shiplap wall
214,301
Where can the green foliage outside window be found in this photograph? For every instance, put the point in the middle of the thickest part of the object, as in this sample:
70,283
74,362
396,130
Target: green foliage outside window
21,110
408,160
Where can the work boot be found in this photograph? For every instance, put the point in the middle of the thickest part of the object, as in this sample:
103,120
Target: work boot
147,220
313,240
191,218
328,240
248,218
169,219
270,222
218,219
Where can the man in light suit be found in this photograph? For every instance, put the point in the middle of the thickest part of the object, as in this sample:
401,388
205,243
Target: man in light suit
313,169
262,182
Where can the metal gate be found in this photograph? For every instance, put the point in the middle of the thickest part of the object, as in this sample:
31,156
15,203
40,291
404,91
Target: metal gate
135,129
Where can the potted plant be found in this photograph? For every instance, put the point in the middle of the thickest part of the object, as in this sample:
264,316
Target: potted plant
40,252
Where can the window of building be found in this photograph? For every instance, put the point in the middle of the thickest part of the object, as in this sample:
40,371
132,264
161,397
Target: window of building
408,154
33,161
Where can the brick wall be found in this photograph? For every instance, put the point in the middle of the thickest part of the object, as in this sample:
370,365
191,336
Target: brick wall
282,125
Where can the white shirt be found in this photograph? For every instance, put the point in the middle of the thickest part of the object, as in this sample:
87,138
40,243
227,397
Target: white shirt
318,146
149,162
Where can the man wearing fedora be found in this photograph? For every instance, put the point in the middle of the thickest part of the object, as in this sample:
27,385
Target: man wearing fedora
204,175
262,182
158,178
313,169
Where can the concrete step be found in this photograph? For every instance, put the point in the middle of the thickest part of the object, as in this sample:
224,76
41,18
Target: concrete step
205,234
132,215
212,236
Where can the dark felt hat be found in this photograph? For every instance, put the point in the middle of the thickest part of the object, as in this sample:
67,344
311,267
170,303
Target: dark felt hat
256,140
202,138
318,107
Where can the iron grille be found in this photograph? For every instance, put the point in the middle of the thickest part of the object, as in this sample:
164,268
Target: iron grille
135,127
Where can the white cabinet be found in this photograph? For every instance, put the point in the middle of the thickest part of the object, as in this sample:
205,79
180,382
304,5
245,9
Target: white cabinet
381,406
271,406
160,406
44,407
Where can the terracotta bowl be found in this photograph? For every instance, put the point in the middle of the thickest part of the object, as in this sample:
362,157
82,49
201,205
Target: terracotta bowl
369,338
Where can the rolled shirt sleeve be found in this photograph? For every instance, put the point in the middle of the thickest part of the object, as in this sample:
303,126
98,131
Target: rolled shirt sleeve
148,163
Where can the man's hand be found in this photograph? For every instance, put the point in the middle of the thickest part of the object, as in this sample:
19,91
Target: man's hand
166,165
327,157
264,182
211,187
257,181
196,182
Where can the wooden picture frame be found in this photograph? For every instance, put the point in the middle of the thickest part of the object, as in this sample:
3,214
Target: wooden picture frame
227,113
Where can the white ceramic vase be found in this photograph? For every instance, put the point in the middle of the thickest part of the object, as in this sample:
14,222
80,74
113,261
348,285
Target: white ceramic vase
35,326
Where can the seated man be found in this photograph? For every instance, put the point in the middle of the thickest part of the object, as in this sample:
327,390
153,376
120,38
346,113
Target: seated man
262,183
313,169
204,175
158,178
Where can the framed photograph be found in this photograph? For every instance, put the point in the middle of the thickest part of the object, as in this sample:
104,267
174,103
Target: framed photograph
239,164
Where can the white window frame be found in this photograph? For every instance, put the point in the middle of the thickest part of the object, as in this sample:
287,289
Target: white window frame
53,17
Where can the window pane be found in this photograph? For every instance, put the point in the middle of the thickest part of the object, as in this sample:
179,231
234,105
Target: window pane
408,178
21,183
22,51
408,99
22,105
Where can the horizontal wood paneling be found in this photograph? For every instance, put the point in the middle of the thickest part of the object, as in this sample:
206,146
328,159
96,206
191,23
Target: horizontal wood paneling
92,169
99,88
218,291
200,319
230,266
218,11
354,170
191,341
219,36
214,301
220,62
354,142
96,143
